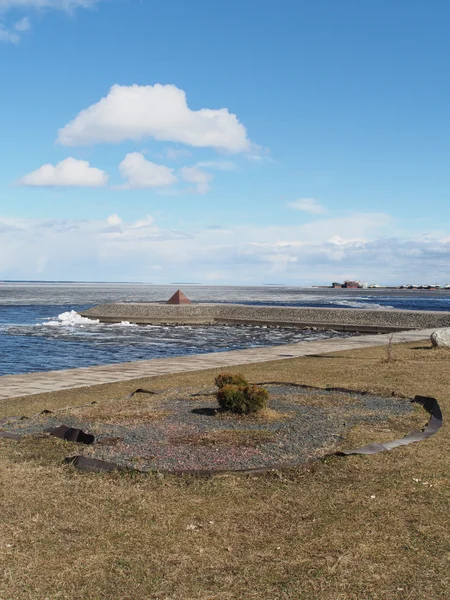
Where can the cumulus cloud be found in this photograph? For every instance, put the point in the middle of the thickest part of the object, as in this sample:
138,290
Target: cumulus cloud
160,112
197,176
69,172
142,173
308,205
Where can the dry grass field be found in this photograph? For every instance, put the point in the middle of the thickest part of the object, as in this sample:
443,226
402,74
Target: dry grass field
344,528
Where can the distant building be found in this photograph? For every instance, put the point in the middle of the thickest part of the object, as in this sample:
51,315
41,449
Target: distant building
353,285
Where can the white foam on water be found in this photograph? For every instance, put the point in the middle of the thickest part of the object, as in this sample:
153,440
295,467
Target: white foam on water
125,324
359,304
70,319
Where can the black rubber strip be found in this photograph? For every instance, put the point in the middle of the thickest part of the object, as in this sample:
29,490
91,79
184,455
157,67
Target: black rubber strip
71,435
10,436
94,465
6,434
434,424
140,391
63,432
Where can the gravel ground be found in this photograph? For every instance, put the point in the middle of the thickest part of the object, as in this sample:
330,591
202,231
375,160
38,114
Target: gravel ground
188,434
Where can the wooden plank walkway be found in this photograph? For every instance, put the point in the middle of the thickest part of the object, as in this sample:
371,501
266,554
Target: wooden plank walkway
12,386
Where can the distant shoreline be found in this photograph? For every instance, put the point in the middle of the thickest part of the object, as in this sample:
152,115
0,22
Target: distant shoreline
393,288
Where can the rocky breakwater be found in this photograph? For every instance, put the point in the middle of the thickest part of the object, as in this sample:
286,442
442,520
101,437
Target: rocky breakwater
341,319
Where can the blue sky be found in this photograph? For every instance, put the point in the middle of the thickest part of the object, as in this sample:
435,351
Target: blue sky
243,142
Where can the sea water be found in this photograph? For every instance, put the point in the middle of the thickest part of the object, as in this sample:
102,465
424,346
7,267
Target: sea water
40,328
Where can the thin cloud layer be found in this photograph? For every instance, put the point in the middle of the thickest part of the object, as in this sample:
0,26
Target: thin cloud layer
67,5
113,249
197,176
12,34
160,112
308,205
68,173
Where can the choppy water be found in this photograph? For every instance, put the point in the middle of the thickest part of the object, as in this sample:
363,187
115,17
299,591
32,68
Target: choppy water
35,335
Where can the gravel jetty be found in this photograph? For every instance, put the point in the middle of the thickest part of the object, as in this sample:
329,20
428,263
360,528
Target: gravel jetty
343,319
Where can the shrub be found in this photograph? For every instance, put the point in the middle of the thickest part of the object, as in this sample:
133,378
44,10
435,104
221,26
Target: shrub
257,397
230,379
231,397
242,399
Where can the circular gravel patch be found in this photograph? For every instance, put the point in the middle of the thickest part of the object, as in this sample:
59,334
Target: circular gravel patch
183,430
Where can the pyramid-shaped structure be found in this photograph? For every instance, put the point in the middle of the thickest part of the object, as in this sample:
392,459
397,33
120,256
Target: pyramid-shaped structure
178,298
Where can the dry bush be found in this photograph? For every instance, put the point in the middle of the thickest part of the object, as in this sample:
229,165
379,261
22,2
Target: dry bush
389,358
242,400
237,396
225,378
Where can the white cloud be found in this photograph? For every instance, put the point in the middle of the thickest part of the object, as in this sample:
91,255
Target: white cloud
259,154
8,36
365,246
147,221
69,172
219,165
142,173
176,153
161,112
197,176
13,33
201,178
23,25
114,220
308,205
66,5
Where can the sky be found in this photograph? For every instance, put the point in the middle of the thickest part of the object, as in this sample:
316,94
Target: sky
225,142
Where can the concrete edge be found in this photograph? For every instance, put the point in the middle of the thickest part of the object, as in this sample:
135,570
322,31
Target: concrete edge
351,327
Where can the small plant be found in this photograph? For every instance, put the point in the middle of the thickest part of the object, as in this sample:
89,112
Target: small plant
257,397
236,395
230,379
390,349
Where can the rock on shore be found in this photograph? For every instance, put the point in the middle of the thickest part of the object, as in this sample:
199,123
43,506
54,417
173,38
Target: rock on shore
441,338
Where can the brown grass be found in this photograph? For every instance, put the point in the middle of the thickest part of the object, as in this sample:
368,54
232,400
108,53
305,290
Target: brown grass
234,437
120,411
329,399
265,415
355,528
